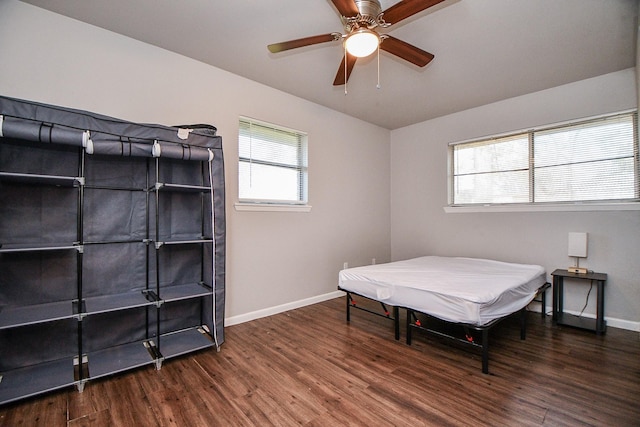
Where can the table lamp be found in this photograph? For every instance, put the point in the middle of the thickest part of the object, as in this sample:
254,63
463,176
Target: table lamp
578,249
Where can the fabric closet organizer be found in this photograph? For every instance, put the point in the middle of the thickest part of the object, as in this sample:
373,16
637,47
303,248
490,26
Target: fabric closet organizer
112,245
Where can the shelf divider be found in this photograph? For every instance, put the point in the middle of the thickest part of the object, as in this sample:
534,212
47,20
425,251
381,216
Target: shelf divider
118,359
30,178
36,379
12,317
185,341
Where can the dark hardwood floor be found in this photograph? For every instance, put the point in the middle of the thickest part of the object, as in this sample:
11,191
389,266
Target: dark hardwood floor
309,367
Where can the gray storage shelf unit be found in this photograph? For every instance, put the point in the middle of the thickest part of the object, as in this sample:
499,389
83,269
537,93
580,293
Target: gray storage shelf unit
112,245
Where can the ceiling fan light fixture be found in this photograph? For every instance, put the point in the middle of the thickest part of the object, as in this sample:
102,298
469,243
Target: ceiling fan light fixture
362,42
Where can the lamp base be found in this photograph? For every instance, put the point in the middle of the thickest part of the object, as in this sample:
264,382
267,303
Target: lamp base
577,270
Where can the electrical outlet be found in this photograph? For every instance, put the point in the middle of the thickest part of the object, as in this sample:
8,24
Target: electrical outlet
345,265
373,261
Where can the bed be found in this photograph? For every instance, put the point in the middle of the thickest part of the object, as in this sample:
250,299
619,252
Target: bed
471,292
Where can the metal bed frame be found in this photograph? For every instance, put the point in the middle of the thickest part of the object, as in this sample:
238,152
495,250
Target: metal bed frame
351,303
412,322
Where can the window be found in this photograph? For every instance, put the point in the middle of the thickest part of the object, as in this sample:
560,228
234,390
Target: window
588,161
272,164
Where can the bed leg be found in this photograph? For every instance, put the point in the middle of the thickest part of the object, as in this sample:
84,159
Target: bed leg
396,321
348,307
485,351
409,316
523,323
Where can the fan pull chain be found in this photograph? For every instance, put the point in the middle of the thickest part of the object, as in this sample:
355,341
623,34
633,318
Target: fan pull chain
345,69
378,85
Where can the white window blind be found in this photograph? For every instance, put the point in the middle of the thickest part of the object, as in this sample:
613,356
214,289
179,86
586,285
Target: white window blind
592,160
272,164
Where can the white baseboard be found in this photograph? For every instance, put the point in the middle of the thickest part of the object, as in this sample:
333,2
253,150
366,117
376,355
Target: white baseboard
623,324
611,321
234,320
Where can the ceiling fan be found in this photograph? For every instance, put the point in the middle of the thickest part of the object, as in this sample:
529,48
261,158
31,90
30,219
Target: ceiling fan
361,19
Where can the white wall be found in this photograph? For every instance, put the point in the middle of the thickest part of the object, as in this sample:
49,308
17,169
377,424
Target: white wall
278,260
274,259
419,225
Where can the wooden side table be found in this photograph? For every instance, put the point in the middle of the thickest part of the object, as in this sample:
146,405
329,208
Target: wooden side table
598,325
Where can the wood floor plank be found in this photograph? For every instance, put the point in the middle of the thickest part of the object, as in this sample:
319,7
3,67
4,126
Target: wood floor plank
95,419
176,407
48,410
124,397
310,367
91,401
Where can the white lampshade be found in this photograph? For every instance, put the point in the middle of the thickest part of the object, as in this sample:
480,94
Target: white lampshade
578,245
362,42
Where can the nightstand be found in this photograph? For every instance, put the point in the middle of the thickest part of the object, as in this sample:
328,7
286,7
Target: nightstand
598,325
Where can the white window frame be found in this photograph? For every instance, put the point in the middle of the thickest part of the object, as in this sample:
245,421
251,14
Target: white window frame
595,205
254,204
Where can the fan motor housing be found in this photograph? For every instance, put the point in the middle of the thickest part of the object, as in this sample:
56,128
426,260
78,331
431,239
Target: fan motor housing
369,7
370,11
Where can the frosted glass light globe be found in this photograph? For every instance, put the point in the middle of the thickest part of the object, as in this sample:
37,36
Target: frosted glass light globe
362,42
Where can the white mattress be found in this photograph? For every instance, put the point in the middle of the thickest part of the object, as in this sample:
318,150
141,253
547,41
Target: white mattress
463,290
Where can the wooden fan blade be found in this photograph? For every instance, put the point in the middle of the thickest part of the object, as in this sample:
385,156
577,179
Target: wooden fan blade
340,77
346,7
406,51
306,41
404,9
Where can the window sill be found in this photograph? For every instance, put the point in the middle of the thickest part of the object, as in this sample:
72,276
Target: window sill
559,207
271,207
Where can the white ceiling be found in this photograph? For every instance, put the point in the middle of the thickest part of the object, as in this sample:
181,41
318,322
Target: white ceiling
485,50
